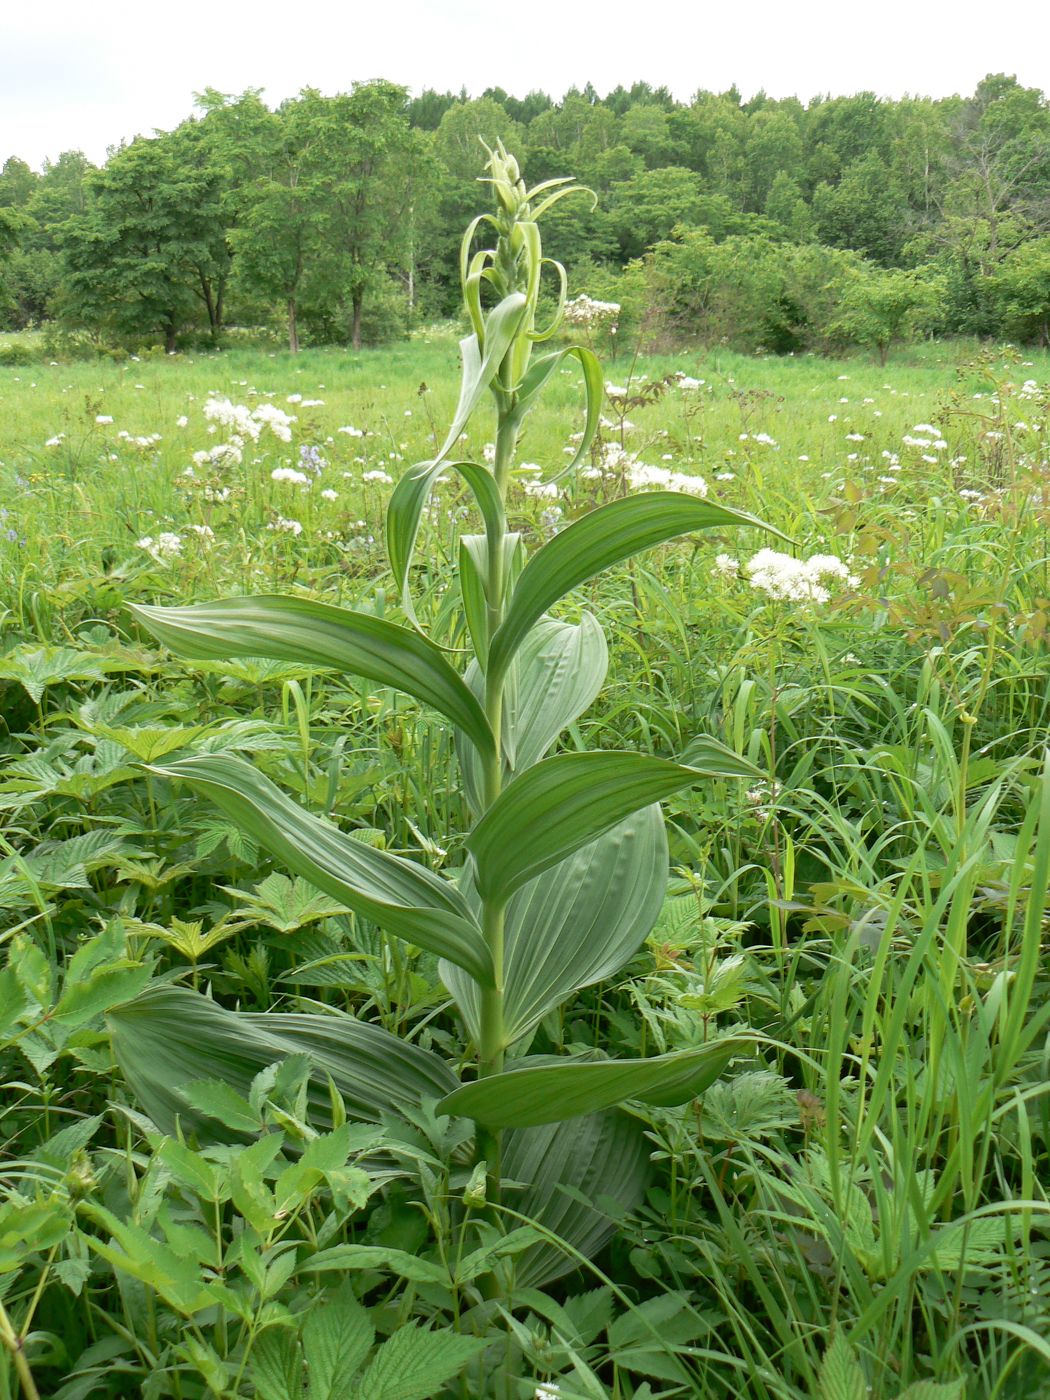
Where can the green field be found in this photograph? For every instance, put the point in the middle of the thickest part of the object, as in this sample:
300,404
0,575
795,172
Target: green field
859,1206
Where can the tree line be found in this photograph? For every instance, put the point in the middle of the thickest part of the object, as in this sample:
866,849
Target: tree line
766,223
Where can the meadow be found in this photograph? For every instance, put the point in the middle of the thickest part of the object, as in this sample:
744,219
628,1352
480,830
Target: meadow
856,1207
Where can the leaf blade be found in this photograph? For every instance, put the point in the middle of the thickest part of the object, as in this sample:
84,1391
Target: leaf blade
284,628
599,539
564,802
551,1092
399,895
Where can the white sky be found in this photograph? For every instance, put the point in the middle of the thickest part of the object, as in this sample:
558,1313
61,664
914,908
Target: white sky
87,73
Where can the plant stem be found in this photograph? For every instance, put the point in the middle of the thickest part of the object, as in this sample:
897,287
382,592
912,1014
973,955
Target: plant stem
491,1046
15,1344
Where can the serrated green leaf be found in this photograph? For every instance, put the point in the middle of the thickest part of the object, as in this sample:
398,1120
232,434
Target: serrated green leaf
841,1377
105,987
190,1169
276,1365
217,1100
336,1338
176,1279
14,1002
415,1363
934,1390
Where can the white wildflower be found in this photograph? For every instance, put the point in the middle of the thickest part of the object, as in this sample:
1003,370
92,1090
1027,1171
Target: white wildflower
165,546
797,580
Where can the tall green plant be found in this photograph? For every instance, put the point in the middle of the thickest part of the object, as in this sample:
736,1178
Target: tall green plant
567,855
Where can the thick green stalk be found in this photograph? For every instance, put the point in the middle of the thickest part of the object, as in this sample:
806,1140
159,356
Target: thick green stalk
491,1048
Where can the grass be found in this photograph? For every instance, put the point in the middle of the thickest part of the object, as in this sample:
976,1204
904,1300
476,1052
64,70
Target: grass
859,1209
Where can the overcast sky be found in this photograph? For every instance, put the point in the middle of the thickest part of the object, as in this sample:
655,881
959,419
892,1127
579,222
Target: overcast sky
88,73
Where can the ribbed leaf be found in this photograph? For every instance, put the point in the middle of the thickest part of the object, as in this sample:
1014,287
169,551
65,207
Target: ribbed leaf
562,803
414,1363
541,370
474,588
336,1338
481,362
560,670
574,925
405,512
841,1376
596,541
400,895
298,629
556,1089
170,1037
602,1154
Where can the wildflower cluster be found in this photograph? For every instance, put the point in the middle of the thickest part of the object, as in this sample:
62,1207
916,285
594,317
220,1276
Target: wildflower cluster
585,312
616,463
788,580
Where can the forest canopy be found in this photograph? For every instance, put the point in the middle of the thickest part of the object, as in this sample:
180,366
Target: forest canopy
763,224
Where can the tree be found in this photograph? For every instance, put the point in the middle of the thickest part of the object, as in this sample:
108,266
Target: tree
135,257
1022,291
377,165
17,183
786,207
865,211
881,307
281,236
647,207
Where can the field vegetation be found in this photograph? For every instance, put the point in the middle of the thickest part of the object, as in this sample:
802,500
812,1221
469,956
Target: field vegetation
264,1132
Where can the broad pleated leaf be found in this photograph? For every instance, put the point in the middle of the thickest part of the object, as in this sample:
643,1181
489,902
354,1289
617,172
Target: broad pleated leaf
540,371
474,588
562,803
555,1088
560,670
574,925
170,1037
602,1154
596,541
400,895
547,1089
481,363
405,511
298,629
